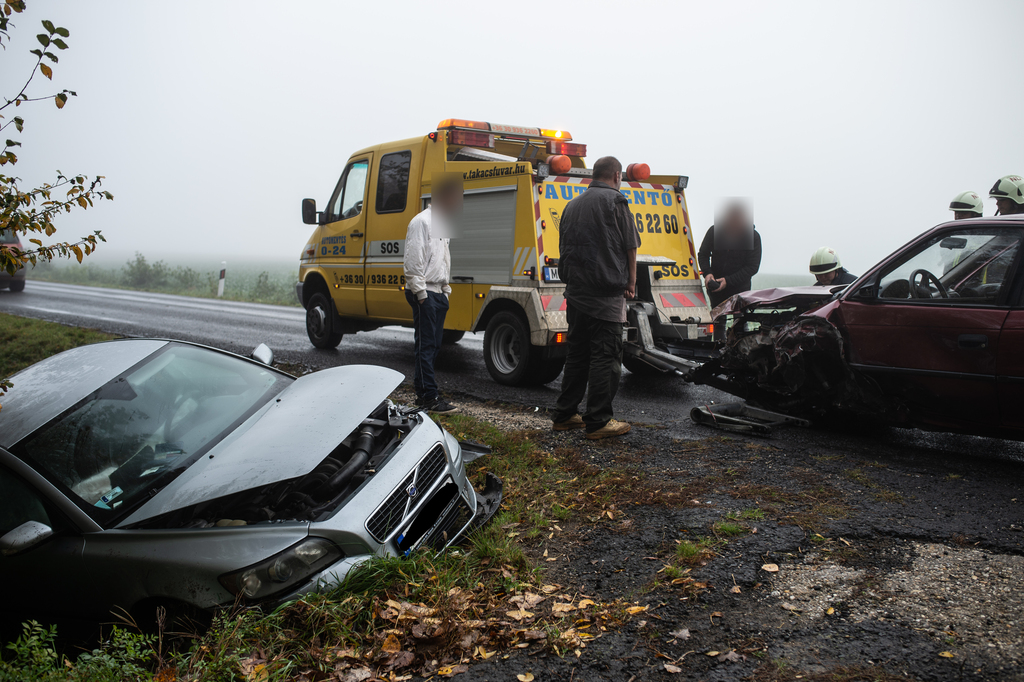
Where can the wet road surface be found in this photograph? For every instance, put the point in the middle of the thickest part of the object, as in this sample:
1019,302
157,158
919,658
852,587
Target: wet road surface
239,327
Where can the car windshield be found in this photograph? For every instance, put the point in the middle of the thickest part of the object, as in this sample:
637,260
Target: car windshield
136,433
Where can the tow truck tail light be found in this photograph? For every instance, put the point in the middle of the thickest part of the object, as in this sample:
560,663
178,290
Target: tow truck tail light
567,148
470,139
559,163
638,172
560,337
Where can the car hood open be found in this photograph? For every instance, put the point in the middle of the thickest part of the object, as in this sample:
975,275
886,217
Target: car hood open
287,438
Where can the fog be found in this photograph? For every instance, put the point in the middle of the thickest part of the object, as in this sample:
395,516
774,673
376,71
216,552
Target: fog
850,125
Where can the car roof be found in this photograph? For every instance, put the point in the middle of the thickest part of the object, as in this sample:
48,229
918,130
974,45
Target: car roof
48,388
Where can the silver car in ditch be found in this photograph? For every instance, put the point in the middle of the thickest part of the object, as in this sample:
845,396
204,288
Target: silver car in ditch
142,473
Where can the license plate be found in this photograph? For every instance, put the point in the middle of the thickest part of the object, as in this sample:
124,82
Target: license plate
551,274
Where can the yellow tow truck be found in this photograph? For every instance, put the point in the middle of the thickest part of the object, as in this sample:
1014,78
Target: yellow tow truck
504,267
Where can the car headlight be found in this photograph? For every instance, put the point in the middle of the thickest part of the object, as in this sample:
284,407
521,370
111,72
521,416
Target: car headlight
279,572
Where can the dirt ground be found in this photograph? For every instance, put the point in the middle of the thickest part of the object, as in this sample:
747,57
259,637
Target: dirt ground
852,554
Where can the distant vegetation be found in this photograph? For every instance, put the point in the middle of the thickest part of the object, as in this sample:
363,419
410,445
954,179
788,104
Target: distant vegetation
243,282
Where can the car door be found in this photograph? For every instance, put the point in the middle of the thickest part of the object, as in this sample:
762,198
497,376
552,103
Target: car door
343,238
44,578
927,326
1010,366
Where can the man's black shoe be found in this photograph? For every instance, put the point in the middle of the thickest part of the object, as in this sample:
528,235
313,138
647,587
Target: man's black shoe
441,406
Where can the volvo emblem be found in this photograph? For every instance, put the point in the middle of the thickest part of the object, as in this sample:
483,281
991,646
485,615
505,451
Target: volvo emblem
411,490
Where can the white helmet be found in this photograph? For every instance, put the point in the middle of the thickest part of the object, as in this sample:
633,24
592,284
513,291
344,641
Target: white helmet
967,202
824,260
1008,187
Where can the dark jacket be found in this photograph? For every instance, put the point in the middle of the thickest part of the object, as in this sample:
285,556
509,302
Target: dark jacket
595,233
736,266
843,276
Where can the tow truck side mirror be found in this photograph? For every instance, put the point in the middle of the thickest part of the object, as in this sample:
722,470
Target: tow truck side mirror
309,212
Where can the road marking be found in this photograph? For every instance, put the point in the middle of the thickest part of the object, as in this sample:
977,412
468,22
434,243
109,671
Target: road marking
86,315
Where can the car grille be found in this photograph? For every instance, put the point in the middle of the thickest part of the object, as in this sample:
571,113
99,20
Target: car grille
396,507
451,523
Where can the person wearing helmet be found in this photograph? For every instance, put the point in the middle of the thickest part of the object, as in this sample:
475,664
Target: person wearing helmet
828,270
966,205
1009,195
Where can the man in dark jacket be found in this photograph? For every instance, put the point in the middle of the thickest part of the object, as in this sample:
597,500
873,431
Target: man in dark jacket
597,260
730,254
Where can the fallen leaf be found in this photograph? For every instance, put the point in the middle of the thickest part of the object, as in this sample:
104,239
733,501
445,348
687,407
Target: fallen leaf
484,653
789,607
401,660
946,654
357,675
519,615
633,610
731,656
452,670
525,677
669,668
584,603
771,568
527,600
717,614
562,608
391,645
829,611
534,634
681,633
735,589
550,589
712,653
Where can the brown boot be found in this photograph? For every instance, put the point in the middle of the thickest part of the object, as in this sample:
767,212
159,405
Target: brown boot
612,428
574,422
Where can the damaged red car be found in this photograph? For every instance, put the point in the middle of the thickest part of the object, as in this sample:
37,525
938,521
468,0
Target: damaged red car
931,337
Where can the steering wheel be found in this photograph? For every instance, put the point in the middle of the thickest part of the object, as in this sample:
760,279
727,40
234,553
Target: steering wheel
927,281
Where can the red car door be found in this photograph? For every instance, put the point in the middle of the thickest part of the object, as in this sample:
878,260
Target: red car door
1010,370
932,334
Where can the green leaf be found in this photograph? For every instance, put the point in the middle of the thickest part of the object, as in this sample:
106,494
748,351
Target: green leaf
48,25
38,53
62,32
13,143
51,56
60,43
19,123
43,39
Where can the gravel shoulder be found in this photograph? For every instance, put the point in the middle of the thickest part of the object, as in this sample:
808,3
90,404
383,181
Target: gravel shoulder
889,555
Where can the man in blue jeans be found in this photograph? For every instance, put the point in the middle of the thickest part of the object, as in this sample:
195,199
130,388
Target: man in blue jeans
427,268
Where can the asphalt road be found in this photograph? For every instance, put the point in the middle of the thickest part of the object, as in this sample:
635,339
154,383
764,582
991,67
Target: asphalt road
239,327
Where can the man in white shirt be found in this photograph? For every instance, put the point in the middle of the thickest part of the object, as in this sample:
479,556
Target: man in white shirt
427,268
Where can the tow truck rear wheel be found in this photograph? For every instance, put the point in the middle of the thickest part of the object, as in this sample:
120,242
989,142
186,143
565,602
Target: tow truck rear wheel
507,349
322,326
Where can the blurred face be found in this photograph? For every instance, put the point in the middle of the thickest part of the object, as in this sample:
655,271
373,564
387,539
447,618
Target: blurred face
1004,206
826,278
964,215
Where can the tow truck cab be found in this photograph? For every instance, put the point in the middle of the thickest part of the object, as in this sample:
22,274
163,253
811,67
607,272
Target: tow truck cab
504,267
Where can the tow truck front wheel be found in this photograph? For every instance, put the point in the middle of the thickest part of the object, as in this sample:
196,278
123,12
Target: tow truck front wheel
322,325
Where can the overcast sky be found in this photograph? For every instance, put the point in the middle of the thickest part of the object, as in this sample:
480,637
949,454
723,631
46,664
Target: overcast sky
848,124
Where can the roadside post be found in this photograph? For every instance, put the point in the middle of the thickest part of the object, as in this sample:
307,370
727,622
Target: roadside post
220,282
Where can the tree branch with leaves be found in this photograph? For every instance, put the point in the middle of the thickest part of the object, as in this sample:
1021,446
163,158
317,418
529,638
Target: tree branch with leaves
31,213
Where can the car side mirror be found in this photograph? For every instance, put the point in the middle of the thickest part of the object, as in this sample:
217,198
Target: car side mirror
263,355
26,536
309,214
